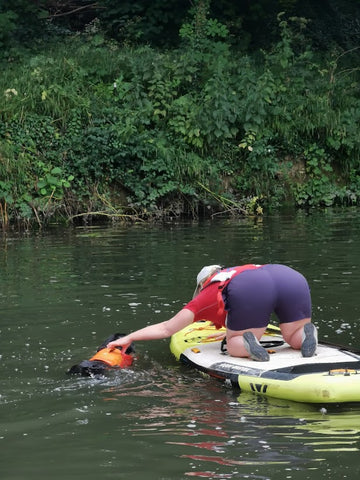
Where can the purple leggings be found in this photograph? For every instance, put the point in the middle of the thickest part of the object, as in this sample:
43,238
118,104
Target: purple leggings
252,296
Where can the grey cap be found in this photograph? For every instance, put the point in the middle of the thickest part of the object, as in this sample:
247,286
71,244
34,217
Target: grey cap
205,273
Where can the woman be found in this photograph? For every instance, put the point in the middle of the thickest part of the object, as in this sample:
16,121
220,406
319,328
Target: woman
242,299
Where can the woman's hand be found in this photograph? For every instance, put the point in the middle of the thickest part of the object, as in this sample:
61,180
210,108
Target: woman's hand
122,342
216,336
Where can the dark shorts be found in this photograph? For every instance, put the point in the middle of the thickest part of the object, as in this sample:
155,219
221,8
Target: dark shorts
252,296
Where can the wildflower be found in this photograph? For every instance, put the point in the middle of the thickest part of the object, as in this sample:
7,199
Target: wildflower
10,92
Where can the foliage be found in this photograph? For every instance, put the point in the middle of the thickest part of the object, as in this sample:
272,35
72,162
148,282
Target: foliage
88,125
251,25
317,189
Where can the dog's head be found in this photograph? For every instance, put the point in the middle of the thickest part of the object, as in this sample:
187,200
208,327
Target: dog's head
88,368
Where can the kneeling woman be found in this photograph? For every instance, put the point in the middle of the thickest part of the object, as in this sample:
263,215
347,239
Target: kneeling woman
243,298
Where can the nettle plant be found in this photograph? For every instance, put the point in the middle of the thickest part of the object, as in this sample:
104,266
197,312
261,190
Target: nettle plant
52,181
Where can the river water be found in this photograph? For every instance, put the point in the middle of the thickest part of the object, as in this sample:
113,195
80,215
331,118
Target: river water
63,291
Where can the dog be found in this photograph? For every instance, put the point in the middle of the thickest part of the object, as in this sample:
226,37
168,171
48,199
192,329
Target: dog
105,359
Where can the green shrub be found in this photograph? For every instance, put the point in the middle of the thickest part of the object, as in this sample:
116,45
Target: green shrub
88,125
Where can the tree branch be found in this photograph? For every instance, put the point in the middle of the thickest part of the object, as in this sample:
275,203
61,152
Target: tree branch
75,10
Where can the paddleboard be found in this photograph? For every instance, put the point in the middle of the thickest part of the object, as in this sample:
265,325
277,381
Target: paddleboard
331,376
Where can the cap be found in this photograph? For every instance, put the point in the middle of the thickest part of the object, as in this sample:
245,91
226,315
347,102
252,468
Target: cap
205,273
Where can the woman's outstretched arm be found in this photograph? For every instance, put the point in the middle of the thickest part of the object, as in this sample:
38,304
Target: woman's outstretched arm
156,331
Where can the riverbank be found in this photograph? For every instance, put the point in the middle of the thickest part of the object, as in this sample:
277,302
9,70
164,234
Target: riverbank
92,129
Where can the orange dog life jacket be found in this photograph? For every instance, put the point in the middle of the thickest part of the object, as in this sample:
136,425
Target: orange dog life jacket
113,358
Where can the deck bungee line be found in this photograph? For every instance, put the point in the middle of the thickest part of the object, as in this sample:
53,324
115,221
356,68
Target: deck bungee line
331,376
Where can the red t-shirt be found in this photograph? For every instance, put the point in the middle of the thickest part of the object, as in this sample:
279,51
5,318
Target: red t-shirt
205,306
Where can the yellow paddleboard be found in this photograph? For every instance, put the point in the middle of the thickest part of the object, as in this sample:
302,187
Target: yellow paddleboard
331,376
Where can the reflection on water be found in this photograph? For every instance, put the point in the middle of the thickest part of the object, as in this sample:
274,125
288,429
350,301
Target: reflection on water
226,435
63,292
172,419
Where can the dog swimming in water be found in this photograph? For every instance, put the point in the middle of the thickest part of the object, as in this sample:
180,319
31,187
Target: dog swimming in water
105,359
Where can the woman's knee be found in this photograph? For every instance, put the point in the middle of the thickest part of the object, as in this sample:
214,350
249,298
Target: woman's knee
293,332
235,342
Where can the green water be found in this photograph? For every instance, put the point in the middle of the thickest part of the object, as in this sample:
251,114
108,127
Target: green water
62,292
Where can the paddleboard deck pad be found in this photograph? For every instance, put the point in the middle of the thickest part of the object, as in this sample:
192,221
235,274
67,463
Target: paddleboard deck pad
331,376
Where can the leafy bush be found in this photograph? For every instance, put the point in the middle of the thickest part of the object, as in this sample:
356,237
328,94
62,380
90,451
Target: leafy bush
89,126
